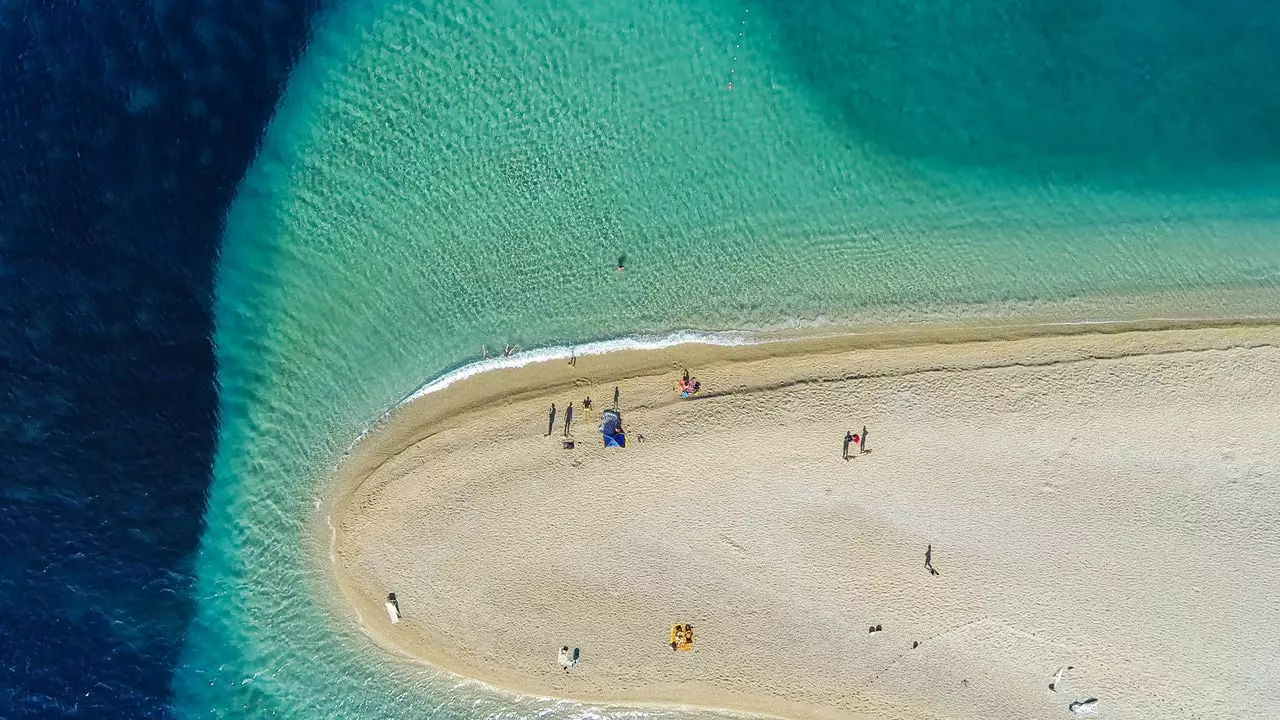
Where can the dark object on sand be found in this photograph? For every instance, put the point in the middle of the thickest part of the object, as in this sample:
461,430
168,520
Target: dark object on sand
1084,707
568,444
915,644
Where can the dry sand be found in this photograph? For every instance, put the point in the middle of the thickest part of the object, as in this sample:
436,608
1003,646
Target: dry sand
1102,500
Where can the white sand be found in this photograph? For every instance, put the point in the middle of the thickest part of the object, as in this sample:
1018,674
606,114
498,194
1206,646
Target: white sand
1104,501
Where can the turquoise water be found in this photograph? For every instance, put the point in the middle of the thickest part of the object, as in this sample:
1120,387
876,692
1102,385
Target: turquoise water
442,175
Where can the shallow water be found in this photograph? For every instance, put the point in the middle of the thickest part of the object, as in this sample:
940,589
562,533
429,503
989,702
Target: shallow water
446,175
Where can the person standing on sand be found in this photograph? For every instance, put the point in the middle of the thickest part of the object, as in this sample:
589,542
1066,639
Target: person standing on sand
565,660
551,420
568,418
848,438
862,442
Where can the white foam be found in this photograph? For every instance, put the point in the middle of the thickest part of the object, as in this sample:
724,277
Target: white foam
680,337
333,539
564,352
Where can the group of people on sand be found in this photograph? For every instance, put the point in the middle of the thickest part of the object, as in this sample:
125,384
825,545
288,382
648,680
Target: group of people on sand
682,637
852,438
688,386
568,416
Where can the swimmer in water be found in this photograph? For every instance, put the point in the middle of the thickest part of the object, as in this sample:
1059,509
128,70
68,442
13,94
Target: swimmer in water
622,263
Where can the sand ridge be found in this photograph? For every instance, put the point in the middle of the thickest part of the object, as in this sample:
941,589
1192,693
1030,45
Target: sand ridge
1097,500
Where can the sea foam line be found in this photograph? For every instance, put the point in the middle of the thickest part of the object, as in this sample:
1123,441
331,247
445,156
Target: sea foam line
730,338
564,352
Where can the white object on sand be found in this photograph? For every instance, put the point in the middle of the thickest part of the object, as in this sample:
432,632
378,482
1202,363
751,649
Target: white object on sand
565,660
1057,679
393,612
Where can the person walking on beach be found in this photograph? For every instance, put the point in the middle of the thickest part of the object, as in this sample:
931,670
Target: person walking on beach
928,560
615,397
568,418
551,420
848,438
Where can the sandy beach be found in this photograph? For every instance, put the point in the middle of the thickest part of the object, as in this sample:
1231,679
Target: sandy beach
1093,499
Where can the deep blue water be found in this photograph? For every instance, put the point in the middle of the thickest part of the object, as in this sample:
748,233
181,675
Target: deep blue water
124,129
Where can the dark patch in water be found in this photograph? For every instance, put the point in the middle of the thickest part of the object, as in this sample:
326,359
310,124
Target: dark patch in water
124,129
1155,92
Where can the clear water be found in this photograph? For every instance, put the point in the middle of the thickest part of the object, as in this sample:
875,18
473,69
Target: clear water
442,175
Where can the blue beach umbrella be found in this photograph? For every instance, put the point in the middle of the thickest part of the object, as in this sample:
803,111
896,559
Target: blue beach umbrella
611,429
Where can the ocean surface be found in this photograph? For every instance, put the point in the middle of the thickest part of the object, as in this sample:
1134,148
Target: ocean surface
125,128
440,176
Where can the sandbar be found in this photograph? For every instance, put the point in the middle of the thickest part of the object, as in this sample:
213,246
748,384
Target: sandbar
1103,499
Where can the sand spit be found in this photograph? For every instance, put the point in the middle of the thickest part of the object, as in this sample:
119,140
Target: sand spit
1099,504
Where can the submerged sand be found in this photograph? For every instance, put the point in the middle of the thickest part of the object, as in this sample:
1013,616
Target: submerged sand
1106,501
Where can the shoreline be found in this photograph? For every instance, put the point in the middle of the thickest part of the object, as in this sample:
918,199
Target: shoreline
1151,310
777,366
